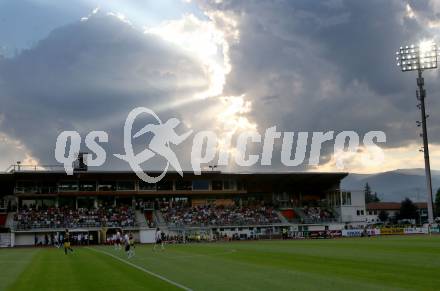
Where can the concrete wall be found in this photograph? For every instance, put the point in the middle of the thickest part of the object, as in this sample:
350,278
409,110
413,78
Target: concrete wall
147,236
26,239
356,211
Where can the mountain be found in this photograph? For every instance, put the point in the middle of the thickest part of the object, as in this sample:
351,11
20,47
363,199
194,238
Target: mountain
394,185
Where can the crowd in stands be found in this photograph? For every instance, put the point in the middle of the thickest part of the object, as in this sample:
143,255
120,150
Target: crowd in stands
205,215
317,214
65,217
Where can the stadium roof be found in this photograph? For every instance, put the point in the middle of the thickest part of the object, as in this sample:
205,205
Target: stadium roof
290,175
256,182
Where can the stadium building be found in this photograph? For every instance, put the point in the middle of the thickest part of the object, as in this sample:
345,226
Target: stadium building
39,203
392,210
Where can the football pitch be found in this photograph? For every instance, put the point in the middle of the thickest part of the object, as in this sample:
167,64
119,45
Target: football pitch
377,263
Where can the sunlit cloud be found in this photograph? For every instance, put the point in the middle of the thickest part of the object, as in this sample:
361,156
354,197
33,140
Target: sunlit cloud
94,11
120,16
409,11
233,117
364,161
14,150
210,46
423,18
204,41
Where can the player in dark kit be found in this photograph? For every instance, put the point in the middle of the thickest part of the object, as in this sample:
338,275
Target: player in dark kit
67,242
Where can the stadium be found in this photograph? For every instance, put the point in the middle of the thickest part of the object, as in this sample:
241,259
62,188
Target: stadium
219,145
215,227
213,205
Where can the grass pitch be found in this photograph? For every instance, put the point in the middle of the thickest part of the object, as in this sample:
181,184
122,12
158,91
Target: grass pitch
383,263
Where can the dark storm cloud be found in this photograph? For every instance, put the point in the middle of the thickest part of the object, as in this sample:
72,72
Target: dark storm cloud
88,76
305,65
315,65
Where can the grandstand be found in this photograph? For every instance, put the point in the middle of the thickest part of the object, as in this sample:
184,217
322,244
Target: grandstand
39,203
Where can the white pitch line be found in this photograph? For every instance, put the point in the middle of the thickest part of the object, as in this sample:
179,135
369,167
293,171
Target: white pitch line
204,255
142,269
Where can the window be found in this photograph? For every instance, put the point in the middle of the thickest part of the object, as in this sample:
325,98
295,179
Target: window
217,185
144,186
183,185
241,185
228,185
48,187
26,187
87,186
165,185
125,185
346,198
48,202
68,186
28,203
200,185
358,212
107,186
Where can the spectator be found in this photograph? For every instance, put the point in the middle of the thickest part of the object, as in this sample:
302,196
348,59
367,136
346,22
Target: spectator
64,217
180,214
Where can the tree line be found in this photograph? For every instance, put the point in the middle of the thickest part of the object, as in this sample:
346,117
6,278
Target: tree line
408,210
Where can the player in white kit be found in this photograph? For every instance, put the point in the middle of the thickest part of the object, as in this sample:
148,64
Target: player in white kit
159,240
118,241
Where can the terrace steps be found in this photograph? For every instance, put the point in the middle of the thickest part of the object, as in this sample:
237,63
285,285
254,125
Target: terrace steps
159,220
140,218
10,220
281,217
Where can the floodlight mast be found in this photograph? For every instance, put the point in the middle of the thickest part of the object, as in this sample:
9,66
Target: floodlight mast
419,58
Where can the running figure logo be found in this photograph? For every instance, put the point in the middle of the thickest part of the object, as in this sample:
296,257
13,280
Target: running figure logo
164,134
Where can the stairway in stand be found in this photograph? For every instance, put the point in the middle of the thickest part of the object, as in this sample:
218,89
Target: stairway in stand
158,218
140,218
281,217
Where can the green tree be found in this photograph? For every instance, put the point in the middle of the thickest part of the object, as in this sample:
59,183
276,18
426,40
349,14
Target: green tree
375,198
408,210
383,216
437,203
369,196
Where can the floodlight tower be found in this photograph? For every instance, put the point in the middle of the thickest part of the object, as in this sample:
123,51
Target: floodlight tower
419,58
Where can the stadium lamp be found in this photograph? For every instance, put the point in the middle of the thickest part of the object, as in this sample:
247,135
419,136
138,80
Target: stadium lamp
419,58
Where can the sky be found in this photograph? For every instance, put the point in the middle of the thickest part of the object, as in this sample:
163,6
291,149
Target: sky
225,66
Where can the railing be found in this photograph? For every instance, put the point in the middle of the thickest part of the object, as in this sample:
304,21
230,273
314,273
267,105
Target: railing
3,205
208,226
36,190
231,224
24,168
36,226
